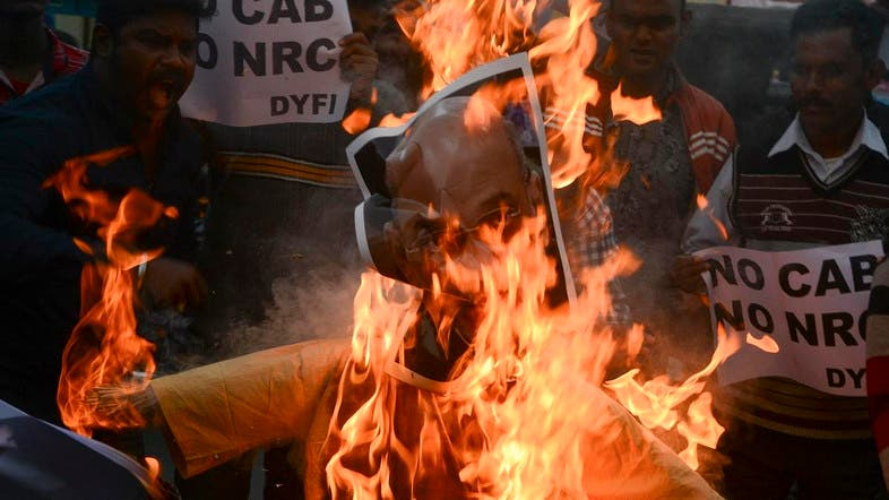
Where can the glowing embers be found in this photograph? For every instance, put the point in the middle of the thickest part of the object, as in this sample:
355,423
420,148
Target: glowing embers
103,349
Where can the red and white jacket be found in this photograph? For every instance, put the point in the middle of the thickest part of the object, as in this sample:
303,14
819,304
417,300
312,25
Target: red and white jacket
710,130
65,60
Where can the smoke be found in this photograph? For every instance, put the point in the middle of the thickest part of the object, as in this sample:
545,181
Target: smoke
317,305
281,263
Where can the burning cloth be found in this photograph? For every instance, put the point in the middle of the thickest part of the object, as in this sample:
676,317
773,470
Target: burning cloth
219,411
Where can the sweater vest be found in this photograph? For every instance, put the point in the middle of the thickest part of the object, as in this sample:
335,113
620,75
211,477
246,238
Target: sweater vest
779,199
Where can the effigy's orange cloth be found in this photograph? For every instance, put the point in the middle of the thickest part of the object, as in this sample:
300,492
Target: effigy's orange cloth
621,460
220,411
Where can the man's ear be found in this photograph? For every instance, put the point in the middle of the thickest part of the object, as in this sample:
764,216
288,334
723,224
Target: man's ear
103,41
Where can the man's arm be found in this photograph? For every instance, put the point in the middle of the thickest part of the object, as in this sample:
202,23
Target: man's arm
25,245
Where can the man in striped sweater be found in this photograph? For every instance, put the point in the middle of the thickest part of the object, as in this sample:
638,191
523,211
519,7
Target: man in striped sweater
818,178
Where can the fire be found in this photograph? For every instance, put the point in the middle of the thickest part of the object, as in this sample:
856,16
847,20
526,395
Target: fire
103,349
397,434
765,343
391,121
154,468
704,206
359,119
638,111
455,36
656,401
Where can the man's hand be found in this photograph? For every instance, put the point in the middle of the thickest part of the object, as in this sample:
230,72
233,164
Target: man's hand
358,64
172,283
686,273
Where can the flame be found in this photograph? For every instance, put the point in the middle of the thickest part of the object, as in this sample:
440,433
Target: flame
357,121
655,401
392,121
455,36
704,206
154,468
397,434
766,343
638,111
103,349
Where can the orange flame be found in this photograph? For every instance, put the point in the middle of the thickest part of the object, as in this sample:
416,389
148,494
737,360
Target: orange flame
103,349
655,402
766,343
638,111
397,434
704,206
153,484
392,121
357,121
456,36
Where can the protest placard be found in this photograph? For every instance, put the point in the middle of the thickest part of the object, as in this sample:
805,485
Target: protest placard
799,313
269,61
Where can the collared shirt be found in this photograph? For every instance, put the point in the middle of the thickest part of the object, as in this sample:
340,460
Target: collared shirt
589,243
703,231
64,60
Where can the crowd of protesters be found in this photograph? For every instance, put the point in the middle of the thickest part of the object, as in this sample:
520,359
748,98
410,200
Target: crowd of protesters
783,439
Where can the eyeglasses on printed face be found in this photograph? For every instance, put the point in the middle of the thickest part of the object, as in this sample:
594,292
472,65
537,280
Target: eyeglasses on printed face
437,233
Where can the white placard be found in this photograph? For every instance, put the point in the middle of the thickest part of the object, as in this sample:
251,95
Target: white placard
263,62
810,302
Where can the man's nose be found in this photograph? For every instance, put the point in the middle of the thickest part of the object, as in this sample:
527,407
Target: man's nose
813,83
642,34
175,58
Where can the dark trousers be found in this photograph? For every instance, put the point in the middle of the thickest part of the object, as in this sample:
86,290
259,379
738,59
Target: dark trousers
764,464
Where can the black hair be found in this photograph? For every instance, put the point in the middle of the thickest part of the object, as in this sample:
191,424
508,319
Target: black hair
825,15
115,14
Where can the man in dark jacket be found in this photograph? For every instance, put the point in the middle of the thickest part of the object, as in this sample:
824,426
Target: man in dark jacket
143,60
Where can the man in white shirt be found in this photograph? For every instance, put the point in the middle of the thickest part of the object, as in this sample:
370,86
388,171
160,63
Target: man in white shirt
819,179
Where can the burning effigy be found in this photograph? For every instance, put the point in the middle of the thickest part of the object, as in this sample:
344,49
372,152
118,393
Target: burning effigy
462,379
474,370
